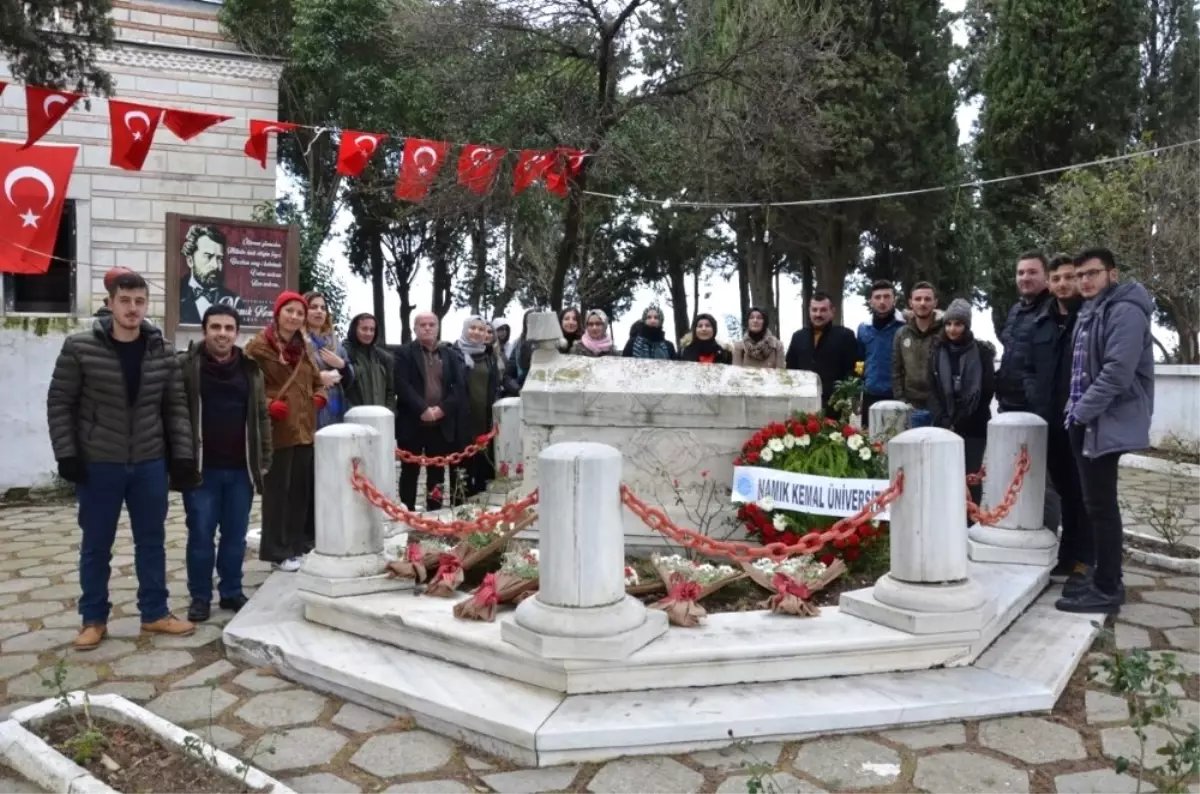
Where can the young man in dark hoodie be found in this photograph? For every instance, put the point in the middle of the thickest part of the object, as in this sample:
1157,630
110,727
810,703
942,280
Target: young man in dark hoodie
1110,400
875,344
374,367
1047,378
227,402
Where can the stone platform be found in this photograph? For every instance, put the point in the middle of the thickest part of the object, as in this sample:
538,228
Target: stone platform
1024,670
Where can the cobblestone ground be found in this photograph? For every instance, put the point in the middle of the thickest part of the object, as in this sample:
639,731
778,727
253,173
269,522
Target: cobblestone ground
1178,497
320,743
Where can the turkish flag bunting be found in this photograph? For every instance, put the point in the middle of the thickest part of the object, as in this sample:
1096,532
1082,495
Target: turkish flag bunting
43,109
477,167
256,144
3,85
531,166
422,161
566,166
34,180
187,124
133,127
356,150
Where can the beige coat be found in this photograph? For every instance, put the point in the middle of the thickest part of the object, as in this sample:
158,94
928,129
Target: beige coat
773,361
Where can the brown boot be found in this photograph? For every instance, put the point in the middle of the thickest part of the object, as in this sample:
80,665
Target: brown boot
89,636
169,625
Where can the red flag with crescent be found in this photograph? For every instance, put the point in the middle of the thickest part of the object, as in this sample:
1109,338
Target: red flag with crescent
187,124
33,190
356,150
477,166
565,166
133,127
43,108
531,166
422,161
256,144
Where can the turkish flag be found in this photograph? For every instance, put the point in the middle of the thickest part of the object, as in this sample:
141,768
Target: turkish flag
256,144
477,167
133,127
3,85
34,181
530,167
566,166
187,124
43,108
356,150
422,161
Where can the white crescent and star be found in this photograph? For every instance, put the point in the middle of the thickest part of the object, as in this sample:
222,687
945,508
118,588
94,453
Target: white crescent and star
36,174
368,149
271,128
433,158
476,159
50,101
137,114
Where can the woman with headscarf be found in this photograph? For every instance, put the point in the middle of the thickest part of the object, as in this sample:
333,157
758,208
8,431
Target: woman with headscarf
504,343
596,341
572,329
295,394
483,389
962,382
336,372
758,347
373,367
703,346
647,340
519,361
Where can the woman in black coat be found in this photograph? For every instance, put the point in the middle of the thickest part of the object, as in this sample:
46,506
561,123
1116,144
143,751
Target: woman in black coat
703,347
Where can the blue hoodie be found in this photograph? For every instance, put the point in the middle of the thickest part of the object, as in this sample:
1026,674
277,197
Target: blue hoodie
1118,400
875,350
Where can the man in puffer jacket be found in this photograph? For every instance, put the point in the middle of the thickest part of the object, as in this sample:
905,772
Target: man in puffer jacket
119,423
875,341
1032,284
911,349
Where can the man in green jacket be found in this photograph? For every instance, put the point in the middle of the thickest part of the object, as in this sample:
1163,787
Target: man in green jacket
227,403
118,423
374,378
911,347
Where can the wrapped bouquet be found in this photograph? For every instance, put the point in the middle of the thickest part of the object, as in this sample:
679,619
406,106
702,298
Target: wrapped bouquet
792,582
470,551
518,575
419,557
688,581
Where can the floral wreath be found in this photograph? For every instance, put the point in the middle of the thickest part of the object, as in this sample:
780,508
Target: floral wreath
812,444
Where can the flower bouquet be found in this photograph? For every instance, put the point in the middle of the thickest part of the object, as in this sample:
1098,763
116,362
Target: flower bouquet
634,585
518,575
419,557
687,582
470,551
792,582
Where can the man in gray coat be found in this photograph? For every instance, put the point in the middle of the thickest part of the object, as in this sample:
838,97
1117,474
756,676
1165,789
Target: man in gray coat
1108,411
118,422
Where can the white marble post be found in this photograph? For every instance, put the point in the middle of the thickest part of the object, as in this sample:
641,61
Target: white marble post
889,418
581,610
507,413
384,423
348,557
544,330
1019,537
928,590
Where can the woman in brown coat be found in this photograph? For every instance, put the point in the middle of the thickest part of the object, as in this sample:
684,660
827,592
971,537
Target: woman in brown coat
294,398
758,347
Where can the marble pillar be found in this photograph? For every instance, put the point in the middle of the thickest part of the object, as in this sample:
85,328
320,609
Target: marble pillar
507,413
581,610
384,423
928,589
348,556
1019,537
889,418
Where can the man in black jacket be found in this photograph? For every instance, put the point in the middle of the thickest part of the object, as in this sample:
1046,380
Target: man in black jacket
829,350
1047,382
429,390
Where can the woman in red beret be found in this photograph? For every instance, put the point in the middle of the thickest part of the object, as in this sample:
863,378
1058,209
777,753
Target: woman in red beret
294,397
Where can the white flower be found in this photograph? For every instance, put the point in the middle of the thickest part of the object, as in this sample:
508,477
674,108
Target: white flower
865,453
766,455
631,577
835,436
766,503
775,445
780,522
804,440
789,441
855,442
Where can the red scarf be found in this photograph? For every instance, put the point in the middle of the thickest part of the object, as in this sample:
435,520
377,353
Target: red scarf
289,354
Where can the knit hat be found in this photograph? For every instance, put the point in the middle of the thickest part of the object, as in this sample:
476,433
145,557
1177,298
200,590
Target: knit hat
284,299
959,311
112,275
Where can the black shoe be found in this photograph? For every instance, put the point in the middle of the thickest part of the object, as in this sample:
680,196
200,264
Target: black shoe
1092,600
1077,582
199,611
234,603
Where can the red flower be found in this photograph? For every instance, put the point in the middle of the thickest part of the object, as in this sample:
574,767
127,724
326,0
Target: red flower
852,540
737,461
827,559
482,440
704,473
504,469
790,538
839,543
877,446
849,430
866,531
769,534
851,555
813,427
520,469
436,494
676,483
752,458
830,422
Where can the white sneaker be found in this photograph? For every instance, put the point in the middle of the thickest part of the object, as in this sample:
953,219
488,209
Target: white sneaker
290,565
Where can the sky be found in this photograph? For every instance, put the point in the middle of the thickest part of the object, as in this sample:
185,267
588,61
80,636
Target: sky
722,294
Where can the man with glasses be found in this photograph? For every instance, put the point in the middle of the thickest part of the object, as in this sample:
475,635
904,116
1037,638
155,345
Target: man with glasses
1109,403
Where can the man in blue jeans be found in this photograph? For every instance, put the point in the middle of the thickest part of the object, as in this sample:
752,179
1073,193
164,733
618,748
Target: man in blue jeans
228,407
118,423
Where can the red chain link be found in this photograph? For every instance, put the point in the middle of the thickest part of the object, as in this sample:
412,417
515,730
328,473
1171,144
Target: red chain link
486,522
1000,511
978,477
656,518
454,458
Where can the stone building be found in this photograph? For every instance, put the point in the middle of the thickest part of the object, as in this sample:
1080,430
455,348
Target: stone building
168,53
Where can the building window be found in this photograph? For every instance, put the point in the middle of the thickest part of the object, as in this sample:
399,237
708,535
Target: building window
52,292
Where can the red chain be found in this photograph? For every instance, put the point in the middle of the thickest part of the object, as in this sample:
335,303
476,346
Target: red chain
978,477
1000,511
656,518
454,458
486,522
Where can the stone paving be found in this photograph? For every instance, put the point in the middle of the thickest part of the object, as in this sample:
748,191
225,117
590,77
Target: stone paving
320,743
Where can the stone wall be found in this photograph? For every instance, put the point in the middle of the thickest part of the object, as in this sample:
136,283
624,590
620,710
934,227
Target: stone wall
1176,404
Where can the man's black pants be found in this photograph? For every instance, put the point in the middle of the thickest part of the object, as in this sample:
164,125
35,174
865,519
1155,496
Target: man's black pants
1076,544
430,442
1098,483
